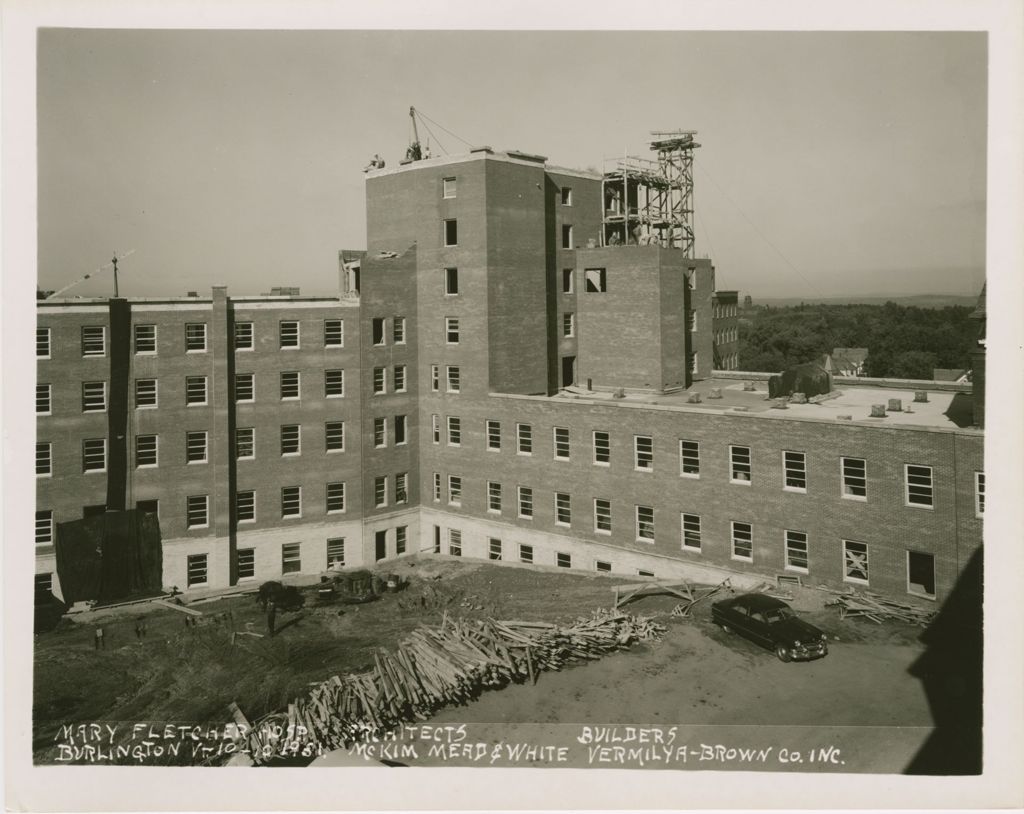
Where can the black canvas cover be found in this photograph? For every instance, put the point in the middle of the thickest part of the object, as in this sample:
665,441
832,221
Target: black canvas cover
110,557
810,378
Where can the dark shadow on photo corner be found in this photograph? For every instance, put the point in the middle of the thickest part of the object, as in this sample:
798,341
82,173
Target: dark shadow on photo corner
951,671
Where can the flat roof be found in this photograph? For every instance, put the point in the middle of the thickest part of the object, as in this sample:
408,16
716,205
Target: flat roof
484,154
943,410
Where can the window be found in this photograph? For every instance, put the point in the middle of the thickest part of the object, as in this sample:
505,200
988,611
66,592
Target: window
603,566
602,516
602,448
380,380
195,390
494,496
566,236
94,340
43,583
643,449
794,465
401,424
195,337
567,284
245,387
448,188
437,487
289,384
455,542
919,485
377,330
691,531
44,527
145,393
796,551
563,509
493,435
979,494
454,379
243,336
197,511
245,506
44,458
401,536
401,488
291,501
334,333
742,541
645,524
691,319
921,574
435,428
595,281
336,552
380,544
455,490
739,462
42,343
694,363
43,399
398,330
435,378
399,378
94,397
525,553
454,431
380,432
566,196
146,450
290,439
335,498
689,459
855,562
197,573
526,502
334,436
94,455
288,333
524,439
568,324
855,479
334,384
561,443
145,338
245,561
451,232
563,560
291,558
451,330
451,281
494,549
148,506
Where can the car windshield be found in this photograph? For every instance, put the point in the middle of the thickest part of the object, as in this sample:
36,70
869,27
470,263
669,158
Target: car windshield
779,614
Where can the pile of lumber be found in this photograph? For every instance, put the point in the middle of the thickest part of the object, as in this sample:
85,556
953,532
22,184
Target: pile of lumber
683,608
867,605
773,590
435,667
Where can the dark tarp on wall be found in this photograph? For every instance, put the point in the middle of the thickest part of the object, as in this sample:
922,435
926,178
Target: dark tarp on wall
111,557
810,378
117,405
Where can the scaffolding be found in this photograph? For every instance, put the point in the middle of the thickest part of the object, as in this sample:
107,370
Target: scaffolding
650,202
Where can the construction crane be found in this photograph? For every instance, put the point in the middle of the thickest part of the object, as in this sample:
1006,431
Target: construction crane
112,264
415,151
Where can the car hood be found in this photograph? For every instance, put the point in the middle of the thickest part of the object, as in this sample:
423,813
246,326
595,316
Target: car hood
796,630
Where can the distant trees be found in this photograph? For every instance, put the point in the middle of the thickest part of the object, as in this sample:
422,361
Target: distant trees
902,341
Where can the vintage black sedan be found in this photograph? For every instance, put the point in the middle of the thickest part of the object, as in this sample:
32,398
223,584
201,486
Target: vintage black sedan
771,623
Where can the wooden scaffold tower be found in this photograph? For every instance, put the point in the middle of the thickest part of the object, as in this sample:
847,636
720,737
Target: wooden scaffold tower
650,202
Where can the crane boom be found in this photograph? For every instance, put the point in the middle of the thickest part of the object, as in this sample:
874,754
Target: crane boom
112,264
415,152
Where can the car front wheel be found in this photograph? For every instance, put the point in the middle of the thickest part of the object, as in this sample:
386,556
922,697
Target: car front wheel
782,652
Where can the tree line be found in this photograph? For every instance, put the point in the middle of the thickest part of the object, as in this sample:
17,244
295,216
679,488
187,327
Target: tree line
903,342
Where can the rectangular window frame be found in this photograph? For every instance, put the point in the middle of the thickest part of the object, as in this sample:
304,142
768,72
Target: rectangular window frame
560,441
602,516
94,340
44,343
334,383
689,459
644,526
563,509
44,459
690,532
740,465
291,558
245,506
454,431
289,334
195,337
197,570
197,512
453,376
399,378
334,498
853,473
452,330
147,451
144,338
454,490
914,485
44,527
291,440
44,399
244,339
450,232
334,436
741,536
856,562
643,453
524,502
146,397
335,552
380,432
794,554
245,563
493,428
94,455
196,388
291,502
451,281
494,497
979,494
524,439
334,333
290,383
94,397
245,388
794,471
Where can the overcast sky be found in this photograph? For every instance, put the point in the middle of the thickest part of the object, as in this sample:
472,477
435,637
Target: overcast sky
831,164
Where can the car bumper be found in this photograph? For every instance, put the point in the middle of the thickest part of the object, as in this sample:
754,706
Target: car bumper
808,652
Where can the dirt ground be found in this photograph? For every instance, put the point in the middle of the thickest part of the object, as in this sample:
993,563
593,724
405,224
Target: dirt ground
696,675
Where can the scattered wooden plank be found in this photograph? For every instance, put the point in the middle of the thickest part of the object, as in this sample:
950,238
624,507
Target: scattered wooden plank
181,608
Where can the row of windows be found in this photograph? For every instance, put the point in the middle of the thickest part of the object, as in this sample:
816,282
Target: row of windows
729,335
144,337
291,560
720,311
524,552
731,361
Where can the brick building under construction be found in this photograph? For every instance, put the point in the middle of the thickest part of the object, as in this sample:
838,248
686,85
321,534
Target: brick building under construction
527,364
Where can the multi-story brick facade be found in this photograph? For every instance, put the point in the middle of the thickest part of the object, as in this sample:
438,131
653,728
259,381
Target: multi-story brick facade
500,386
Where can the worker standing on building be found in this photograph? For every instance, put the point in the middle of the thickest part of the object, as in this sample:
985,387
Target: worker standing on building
271,617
